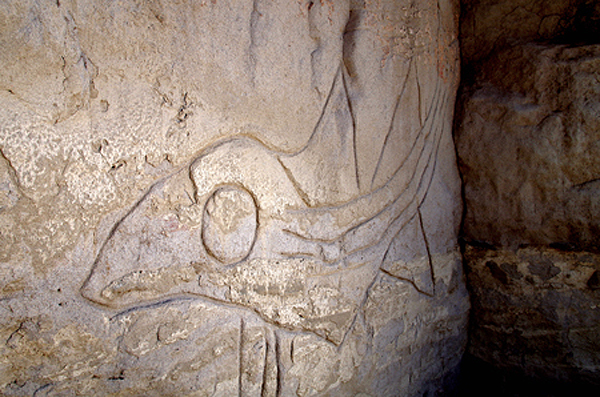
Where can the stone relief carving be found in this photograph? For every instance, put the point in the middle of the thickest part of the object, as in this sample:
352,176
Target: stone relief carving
251,227
289,236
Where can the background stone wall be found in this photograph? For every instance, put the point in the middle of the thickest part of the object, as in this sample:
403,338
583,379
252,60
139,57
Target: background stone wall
218,198
528,139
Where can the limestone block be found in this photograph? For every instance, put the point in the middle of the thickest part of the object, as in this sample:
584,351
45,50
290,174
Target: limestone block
489,26
529,145
219,198
537,309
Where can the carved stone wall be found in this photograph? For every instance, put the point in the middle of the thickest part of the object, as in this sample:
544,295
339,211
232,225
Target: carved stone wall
229,198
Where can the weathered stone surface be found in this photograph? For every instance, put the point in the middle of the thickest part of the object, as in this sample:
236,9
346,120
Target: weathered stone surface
488,26
215,199
529,145
229,224
527,137
536,309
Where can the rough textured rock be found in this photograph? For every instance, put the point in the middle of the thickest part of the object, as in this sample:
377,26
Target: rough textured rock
536,309
488,26
529,144
220,198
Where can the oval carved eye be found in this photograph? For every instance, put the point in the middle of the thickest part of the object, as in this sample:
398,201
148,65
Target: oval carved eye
229,224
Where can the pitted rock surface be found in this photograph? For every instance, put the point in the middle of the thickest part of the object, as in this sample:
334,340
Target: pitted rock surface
229,198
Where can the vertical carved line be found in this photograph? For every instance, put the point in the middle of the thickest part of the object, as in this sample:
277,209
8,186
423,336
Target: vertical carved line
240,356
391,128
429,260
321,116
279,376
263,387
349,104
254,16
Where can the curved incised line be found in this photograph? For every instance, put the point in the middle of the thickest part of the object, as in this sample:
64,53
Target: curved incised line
367,207
391,127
